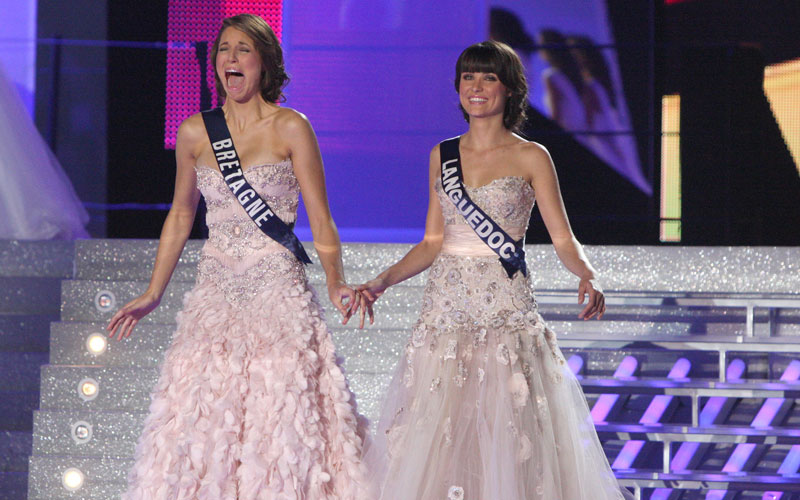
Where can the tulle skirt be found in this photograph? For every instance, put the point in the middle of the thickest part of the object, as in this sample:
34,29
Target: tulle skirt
37,201
250,404
483,405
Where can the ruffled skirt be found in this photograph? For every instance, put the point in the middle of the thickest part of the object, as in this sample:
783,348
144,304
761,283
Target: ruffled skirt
483,405
250,404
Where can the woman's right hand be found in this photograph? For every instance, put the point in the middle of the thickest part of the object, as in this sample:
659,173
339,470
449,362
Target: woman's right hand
369,293
122,323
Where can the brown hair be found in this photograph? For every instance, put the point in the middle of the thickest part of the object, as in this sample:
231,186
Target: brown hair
273,76
500,59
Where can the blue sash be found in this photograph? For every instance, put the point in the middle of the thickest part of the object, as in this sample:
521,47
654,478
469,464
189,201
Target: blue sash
511,253
255,206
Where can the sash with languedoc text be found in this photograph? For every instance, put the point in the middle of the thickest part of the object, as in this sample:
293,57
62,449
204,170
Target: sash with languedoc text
255,206
511,253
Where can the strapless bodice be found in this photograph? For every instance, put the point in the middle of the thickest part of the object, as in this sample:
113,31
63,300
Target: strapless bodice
230,229
507,200
238,257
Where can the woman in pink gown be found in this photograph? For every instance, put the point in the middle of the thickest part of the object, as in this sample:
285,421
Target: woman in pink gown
250,403
482,405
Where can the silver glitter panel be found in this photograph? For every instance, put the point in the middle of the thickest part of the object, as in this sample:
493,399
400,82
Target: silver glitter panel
129,259
43,259
29,295
654,268
144,348
24,331
114,433
694,269
105,477
652,278
120,388
367,349
77,301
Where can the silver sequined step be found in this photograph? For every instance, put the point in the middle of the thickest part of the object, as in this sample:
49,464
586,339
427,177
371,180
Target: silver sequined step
104,478
647,288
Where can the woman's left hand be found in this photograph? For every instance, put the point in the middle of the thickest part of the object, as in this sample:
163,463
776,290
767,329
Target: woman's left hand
596,305
345,298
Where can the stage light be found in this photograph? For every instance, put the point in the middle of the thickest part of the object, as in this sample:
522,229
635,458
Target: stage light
72,479
105,300
88,389
81,432
606,402
575,364
96,344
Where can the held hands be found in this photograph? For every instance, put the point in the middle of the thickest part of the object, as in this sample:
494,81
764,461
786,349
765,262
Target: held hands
370,292
596,305
122,323
347,300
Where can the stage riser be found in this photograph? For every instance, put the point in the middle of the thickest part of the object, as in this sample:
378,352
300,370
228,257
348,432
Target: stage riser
645,285
364,349
25,332
400,307
689,269
105,477
37,259
30,284
26,295
128,389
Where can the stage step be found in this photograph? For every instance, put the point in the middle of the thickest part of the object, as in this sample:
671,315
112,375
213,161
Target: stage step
30,298
104,477
663,300
26,332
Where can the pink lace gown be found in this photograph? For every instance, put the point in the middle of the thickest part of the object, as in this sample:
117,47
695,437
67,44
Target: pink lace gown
250,403
483,405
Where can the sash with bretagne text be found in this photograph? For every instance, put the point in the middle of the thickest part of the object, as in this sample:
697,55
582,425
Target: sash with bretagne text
252,203
511,253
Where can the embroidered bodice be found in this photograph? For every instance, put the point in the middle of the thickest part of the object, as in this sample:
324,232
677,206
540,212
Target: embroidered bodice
236,248
507,200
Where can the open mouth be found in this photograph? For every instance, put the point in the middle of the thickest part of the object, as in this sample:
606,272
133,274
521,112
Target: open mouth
234,78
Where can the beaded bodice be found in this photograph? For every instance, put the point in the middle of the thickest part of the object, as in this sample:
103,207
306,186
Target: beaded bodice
226,219
238,256
507,200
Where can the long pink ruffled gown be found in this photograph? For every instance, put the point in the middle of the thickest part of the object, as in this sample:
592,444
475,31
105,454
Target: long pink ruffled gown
483,406
251,403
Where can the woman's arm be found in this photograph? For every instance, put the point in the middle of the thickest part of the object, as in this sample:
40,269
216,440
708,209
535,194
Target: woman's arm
568,249
554,100
174,233
295,129
421,256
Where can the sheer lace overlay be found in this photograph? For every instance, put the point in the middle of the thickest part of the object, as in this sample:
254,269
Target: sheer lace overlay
251,403
482,405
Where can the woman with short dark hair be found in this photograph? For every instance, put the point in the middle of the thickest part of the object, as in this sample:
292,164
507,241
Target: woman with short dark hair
482,405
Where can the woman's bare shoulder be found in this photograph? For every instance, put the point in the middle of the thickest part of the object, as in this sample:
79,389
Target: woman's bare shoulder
290,119
533,153
192,129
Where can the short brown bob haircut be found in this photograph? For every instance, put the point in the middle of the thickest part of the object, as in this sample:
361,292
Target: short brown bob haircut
500,59
273,76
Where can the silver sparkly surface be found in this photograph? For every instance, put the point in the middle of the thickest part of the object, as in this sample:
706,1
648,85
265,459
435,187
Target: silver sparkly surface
105,477
28,295
42,259
127,370
120,388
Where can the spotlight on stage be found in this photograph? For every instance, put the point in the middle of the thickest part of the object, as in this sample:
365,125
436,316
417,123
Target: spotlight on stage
72,479
88,389
96,344
105,300
81,432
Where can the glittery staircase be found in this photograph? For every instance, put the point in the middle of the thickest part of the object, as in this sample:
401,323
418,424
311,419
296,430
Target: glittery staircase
665,302
30,279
